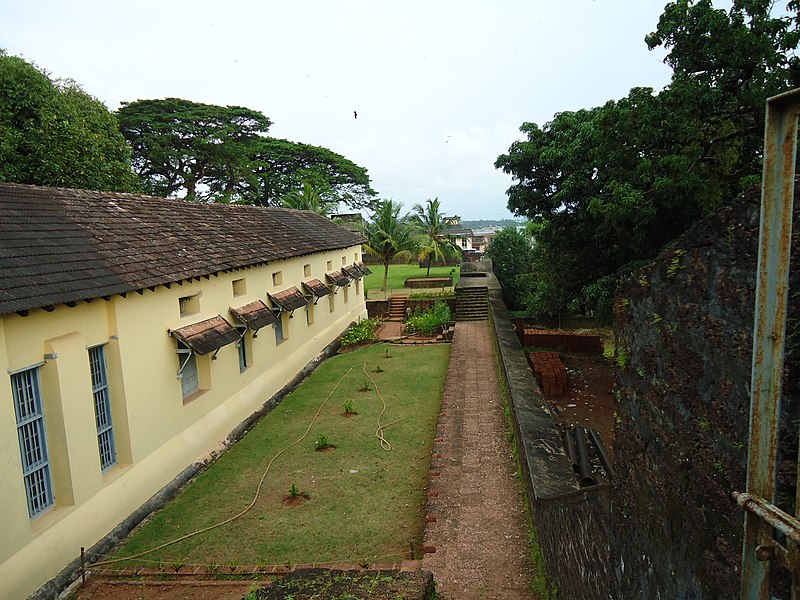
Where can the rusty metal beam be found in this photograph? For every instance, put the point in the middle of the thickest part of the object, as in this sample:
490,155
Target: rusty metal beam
777,199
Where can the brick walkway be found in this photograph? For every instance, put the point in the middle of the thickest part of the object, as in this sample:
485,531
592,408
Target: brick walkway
475,512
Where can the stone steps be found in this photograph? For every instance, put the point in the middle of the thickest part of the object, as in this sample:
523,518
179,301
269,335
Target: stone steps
397,308
472,304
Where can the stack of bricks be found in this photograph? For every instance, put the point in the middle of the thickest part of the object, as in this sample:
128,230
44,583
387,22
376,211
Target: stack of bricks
563,341
550,373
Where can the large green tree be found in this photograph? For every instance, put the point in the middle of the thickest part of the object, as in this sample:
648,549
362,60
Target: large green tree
432,241
53,133
388,235
282,166
222,154
612,184
189,148
510,252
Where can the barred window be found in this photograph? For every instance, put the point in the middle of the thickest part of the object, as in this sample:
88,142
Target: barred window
102,408
32,440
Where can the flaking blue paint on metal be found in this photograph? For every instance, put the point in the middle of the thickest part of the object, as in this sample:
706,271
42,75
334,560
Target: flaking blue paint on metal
777,198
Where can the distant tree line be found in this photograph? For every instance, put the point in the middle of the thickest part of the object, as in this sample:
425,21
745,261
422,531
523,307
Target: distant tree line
608,187
484,223
53,133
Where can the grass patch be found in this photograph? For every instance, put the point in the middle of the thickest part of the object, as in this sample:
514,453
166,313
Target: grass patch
364,502
399,273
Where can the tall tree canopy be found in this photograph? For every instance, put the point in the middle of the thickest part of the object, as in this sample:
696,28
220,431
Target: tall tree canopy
432,241
281,166
510,252
53,133
613,184
198,149
222,153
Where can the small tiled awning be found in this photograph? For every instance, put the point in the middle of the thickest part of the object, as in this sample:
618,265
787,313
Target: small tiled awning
353,272
206,336
364,268
255,315
338,278
289,300
316,288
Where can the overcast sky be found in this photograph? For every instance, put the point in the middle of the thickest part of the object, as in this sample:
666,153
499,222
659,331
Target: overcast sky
440,87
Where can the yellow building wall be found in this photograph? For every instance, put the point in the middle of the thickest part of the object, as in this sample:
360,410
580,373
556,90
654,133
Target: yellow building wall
157,432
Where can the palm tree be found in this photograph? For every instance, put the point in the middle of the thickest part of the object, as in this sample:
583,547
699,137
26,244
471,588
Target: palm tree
432,241
388,235
308,199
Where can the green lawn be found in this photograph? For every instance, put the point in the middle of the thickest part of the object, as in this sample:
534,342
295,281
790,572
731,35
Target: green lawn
365,502
399,273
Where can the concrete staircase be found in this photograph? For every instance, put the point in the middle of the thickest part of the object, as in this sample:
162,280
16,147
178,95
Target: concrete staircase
397,308
472,304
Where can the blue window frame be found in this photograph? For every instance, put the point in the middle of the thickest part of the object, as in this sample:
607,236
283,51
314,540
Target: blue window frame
279,337
32,440
190,378
241,345
102,408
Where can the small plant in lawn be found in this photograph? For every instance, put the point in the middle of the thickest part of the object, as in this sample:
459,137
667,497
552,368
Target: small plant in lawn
377,369
293,491
322,443
386,353
365,387
348,407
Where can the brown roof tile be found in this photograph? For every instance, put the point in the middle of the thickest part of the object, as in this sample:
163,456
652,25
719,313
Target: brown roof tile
206,336
338,278
363,268
317,288
352,272
290,299
255,315
59,245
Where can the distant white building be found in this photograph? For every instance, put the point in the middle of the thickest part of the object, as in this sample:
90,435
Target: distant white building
461,236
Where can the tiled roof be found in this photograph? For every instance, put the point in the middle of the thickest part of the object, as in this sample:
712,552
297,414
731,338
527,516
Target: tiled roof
317,288
290,299
364,268
59,245
338,278
353,272
255,315
207,336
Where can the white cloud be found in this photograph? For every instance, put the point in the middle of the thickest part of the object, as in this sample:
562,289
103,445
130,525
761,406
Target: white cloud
441,88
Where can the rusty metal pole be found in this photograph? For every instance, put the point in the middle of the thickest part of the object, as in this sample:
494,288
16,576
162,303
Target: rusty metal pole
777,199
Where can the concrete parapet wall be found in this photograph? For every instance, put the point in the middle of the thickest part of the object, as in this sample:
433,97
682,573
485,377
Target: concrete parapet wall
572,524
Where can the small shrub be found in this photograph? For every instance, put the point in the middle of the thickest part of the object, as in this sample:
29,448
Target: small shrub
348,407
622,358
322,443
365,387
377,369
293,491
361,333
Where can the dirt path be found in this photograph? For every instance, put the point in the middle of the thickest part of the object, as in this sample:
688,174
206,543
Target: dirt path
479,532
